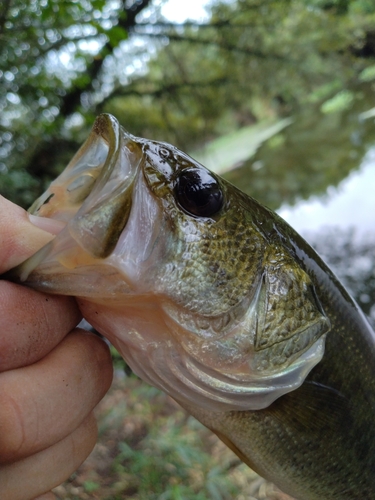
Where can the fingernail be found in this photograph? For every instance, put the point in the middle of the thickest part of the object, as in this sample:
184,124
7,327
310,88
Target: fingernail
50,225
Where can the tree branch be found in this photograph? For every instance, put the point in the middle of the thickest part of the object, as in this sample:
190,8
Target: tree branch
228,47
219,24
71,101
169,88
4,9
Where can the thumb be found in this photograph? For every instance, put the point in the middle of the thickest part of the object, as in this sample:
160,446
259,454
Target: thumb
19,236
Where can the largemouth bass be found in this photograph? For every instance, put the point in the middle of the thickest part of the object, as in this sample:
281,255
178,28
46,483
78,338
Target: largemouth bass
213,298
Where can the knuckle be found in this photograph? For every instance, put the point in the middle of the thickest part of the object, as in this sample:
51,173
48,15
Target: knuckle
99,361
12,432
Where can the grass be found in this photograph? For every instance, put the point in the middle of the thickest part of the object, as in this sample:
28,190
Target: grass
151,449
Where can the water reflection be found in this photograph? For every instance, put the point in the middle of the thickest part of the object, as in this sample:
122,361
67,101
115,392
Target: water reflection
319,174
350,204
341,227
353,261
317,151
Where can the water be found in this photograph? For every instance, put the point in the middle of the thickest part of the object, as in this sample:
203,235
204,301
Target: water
319,175
350,205
320,157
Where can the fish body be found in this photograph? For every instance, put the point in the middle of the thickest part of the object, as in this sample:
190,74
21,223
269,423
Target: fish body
213,298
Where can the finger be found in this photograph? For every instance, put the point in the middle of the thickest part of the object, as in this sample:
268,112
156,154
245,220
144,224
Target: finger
39,473
19,237
44,402
32,324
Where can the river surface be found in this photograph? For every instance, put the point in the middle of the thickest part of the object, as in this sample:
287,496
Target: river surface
350,204
320,170
319,175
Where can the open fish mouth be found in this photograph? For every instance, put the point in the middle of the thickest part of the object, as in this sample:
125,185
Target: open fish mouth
180,270
90,201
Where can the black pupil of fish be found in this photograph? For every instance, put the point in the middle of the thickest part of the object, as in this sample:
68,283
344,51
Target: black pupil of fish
199,193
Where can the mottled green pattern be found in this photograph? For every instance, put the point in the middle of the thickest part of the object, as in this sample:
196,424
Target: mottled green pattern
317,442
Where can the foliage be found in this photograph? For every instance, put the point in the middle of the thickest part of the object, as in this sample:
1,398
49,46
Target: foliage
61,63
316,151
51,55
227,152
253,60
150,449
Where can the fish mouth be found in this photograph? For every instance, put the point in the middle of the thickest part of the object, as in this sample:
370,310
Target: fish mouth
90,201
116,246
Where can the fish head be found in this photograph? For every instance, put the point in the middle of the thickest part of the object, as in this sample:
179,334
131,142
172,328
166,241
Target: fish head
185,274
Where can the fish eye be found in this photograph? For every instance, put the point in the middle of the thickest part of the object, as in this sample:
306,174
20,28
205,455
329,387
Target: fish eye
198,192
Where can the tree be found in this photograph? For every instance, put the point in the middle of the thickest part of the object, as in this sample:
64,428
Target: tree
51,60
63,63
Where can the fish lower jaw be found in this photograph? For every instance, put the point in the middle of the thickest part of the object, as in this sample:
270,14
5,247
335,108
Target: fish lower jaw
190,375
100,283
190,382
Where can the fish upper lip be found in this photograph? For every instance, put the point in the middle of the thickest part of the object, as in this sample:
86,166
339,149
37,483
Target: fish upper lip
100,220
89,203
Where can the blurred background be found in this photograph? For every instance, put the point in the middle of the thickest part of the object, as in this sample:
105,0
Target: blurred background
275,95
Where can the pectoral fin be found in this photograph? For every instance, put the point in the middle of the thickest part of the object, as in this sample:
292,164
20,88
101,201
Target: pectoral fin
313,406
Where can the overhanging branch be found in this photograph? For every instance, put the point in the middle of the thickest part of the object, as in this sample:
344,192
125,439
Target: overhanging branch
71,101
225,46
159,91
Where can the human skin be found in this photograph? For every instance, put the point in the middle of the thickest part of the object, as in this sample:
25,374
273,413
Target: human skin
52,374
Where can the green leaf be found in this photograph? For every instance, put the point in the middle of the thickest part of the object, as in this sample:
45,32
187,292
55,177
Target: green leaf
368,74
90,486
225,153
339,102
116,35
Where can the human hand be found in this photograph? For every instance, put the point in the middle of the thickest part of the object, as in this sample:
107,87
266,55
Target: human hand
51,374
